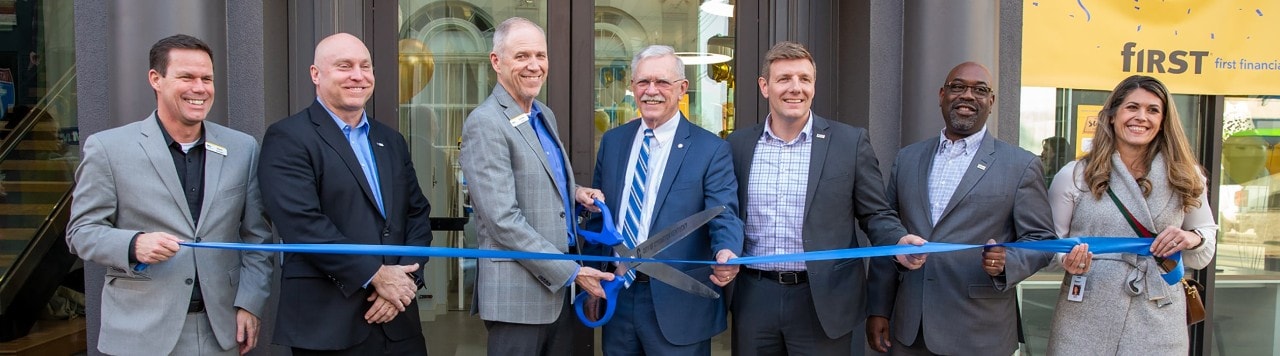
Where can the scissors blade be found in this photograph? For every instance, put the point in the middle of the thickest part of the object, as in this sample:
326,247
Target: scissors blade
676,232
671,275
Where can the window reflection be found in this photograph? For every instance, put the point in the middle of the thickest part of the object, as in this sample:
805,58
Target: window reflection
703,39
1249,247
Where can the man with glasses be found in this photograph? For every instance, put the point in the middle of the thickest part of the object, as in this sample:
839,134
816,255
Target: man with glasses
662,169
960,188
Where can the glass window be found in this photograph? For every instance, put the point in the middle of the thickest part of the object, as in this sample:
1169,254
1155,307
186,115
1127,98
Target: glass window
1248,266
702,35
39,139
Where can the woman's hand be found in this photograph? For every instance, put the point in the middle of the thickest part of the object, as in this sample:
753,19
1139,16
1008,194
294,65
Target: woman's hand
1078,260
1174,239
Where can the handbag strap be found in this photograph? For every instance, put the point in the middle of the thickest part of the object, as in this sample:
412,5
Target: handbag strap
1165,264
1128,217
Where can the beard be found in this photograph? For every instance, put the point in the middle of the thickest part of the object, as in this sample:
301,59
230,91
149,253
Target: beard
961,123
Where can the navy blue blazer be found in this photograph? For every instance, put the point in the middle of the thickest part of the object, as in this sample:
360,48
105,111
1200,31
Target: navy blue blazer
315,192
698,175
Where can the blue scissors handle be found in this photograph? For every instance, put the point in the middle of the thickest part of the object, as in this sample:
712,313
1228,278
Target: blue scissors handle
611,289
608,235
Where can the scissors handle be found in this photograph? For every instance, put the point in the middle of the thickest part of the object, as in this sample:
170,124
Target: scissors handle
608,235
611,289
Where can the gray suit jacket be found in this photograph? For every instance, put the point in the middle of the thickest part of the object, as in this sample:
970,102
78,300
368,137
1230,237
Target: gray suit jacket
961,309
127,184
845,191
517,208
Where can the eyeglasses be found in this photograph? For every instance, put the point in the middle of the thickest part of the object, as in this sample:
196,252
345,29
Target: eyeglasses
980,91
660,84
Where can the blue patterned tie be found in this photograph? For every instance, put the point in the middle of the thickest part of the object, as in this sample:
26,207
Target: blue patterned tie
635,203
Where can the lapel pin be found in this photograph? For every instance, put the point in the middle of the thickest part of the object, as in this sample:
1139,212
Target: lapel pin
821,135
380,144
681,145
982,166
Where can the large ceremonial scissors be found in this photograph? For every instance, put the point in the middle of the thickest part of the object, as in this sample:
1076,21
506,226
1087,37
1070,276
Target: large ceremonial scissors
656,243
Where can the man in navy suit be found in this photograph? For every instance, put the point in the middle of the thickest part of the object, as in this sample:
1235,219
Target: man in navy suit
332,175
683,169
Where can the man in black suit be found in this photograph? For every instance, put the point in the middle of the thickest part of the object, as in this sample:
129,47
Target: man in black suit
804,182
332,175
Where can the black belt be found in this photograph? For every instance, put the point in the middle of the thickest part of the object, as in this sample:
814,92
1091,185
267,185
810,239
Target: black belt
782,277
196,306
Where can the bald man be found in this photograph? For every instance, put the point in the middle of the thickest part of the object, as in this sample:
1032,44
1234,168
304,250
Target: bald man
330,174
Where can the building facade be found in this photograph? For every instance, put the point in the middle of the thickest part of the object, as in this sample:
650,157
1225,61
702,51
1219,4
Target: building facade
880,64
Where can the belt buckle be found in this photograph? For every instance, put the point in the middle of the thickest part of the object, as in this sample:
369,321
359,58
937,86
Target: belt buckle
195,306
788,278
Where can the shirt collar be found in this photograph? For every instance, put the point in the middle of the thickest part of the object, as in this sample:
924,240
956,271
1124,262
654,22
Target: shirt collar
971,142
362,126
664,133
804,135
534,111
168,140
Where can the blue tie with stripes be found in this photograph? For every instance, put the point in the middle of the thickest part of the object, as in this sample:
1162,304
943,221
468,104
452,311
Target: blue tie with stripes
635,203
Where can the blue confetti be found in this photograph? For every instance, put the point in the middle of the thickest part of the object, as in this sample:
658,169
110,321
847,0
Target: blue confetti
1035,4
1139,28
1211,35
1087,16
1259,11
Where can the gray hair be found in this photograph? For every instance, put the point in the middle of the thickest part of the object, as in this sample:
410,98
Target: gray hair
505,28
656,51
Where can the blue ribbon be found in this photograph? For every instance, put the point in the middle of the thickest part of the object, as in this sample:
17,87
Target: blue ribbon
1134,245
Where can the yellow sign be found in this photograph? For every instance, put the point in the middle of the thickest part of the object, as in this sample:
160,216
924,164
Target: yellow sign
1086,127
1218,47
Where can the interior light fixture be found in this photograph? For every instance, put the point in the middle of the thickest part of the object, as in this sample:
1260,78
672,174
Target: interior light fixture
700,58
717,7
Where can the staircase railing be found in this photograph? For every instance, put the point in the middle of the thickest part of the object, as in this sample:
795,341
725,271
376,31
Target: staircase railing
32,118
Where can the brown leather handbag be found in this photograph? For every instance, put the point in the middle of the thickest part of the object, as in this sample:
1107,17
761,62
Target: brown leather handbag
1195,305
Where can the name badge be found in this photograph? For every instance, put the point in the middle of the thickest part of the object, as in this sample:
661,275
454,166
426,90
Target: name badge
1076,294
516,121
215,148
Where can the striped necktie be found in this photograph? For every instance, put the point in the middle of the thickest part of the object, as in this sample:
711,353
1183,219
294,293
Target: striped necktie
635,203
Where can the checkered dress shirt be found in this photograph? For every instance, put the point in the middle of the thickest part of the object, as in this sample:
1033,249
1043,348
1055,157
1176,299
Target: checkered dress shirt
949,165
776,192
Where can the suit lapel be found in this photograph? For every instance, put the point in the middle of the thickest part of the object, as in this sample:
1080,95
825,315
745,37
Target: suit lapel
678,147
329,132
744,160
386,166
525,129
977,168
817,159
212,174
153,144
924,168
621,153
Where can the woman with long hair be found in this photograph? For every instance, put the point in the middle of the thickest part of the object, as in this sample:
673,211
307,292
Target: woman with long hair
1139,176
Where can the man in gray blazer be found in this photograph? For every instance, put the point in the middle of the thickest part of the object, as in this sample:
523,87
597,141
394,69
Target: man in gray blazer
960,187
805,182
173,177
523,191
